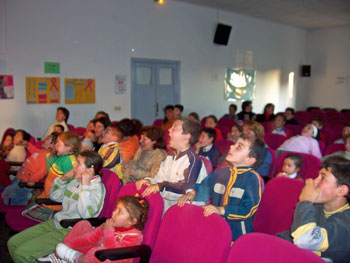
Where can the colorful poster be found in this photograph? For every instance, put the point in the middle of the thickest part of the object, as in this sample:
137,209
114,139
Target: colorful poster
6,87
239,84
42,90
79,91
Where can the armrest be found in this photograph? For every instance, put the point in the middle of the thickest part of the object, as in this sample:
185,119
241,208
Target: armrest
143,252
46,201
35,186
95,221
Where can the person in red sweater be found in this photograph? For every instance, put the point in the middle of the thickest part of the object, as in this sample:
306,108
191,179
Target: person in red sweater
123,229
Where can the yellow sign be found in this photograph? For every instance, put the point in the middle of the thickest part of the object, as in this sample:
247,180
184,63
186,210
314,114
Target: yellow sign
79,91
42,90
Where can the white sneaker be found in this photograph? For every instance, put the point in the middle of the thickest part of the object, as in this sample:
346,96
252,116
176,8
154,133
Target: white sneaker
51,258
66,253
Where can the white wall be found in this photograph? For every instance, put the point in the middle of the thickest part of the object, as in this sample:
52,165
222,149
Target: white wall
328,53
94,39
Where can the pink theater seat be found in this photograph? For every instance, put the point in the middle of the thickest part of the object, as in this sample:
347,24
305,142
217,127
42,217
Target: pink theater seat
263,248
274,140
186,235
295,129
332,148
275,213
303,117
158,122
223,145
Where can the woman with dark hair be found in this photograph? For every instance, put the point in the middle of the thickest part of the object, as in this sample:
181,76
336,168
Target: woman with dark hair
168,117
148,157
267,114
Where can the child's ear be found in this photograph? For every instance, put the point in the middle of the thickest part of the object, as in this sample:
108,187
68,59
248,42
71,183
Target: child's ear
251,161
297,169
133,221
343,190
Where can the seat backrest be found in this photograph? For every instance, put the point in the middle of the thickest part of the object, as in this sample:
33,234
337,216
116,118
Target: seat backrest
203,120
273,161
322,146
71,127
158,122
303,117
274,140
227,122
155,211
295,129
80,130
111,182
207,164
186,235
223,145
269,126
262,248
276,209
335,147
310,165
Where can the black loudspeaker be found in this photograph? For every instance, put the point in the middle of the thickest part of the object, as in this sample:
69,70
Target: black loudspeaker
305,70
222,34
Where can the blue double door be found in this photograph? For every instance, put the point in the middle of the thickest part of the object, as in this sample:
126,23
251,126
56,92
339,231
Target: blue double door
154,84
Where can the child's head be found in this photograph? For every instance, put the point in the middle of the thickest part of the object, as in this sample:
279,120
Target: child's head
102,114
152,138
334,180
8,141
347,142
90,126
247,151
292,164
311,131
317,122
193,116
58,128
67,143
20,137
50,141
168,113
232,109
247,106
62,114
211,121
90,135
87,160
178,109
289,113
235,132
127,127
279,121
253,128
207,137
346,130
130,211
111,134
183,134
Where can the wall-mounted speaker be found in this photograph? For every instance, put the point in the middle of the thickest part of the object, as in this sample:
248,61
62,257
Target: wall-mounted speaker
222,34
305,70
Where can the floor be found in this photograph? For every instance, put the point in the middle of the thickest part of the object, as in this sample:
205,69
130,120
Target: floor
5,235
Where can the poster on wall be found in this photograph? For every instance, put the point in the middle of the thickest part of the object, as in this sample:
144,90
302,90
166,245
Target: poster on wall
120,84
42,90
6,87
239,84
78,91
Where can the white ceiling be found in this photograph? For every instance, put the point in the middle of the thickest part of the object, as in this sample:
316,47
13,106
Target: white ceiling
308,14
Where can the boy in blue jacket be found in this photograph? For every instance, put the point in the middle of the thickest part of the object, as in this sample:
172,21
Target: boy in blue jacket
235,189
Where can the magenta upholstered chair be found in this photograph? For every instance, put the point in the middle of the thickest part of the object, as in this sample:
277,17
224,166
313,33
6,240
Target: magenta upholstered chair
207,164
274,140
332,148
225,125
223,145
158,122
303,117
186,235
17,222
273,162
155,212
262,248
276,209
295,129
309,169
269,126
80,131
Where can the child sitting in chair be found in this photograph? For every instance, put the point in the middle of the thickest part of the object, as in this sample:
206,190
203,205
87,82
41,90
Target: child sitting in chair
291,167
